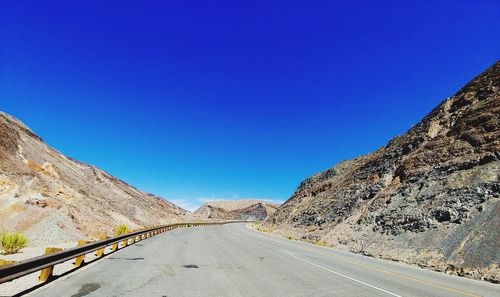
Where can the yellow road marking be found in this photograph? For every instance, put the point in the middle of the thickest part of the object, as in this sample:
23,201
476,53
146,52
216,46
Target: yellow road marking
382,270
284,252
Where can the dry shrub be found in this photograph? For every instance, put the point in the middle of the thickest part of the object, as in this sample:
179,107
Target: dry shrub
320,242
121,229
13,242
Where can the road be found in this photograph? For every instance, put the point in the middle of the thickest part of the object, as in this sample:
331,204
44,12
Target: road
232,260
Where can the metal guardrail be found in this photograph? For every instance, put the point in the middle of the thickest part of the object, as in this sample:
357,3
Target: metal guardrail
22,268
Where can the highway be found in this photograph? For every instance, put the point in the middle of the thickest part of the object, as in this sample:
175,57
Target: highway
233,260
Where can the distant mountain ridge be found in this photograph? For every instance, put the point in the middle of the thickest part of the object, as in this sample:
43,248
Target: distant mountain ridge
246,209
429,197
53,198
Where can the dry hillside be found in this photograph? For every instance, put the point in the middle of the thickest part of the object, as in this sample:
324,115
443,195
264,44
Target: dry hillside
250,209
429,197
53,198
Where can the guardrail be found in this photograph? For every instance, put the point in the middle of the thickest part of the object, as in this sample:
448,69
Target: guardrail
46,262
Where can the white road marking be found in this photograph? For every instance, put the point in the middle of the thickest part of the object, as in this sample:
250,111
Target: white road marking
283,252
340,274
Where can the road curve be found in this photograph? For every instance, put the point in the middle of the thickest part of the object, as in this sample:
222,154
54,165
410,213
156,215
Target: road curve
232,260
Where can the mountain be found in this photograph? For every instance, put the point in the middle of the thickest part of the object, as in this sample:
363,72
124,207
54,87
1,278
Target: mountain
53,198
248,210
429,197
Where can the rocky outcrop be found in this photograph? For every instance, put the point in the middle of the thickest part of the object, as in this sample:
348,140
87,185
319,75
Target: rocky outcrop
53,198
247,210
429,197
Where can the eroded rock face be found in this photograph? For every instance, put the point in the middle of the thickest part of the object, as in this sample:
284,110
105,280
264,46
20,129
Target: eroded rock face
247,210
53,198
433,191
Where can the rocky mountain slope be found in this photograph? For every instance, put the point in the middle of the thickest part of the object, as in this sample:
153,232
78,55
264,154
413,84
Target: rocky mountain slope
53,198
429,197
250,209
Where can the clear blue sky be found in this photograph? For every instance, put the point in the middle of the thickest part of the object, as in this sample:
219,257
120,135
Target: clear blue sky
195,100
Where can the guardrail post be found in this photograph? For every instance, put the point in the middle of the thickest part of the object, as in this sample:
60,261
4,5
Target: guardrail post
125,242
46,273
100,252
80,259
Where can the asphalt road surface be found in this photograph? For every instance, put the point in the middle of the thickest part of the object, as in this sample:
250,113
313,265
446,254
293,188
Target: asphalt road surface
232,260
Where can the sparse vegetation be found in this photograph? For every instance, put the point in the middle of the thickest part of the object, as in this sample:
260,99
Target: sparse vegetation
121,229
263,229
320,242
258,227
13,242
291,237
